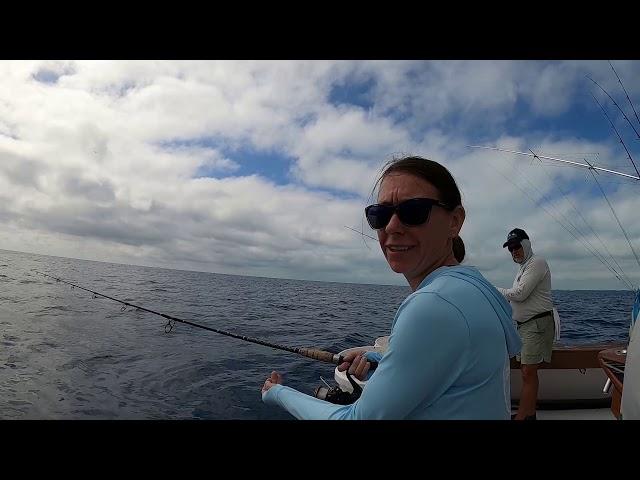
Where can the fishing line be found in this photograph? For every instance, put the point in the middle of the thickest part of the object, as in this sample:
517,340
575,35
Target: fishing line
313,353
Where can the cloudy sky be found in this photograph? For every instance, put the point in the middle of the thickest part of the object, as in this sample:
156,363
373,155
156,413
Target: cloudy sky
255,168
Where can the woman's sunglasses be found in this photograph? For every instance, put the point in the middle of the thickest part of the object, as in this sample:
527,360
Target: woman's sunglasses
412,212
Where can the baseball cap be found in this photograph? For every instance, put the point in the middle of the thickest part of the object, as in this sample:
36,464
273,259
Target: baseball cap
515,236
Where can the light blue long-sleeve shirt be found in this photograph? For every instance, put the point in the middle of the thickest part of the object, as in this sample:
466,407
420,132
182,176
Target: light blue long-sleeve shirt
447,358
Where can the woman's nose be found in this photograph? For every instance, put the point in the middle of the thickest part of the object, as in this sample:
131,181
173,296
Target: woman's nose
394,224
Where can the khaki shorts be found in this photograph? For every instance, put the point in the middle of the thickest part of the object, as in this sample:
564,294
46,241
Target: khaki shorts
537,340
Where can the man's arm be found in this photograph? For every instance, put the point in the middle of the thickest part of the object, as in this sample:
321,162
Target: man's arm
531,277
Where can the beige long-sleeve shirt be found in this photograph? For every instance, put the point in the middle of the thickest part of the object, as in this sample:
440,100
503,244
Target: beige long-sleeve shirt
531,290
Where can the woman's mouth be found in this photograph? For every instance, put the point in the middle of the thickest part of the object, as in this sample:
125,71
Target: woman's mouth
399,248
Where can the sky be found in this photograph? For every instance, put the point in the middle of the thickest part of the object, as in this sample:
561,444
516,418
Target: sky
256,167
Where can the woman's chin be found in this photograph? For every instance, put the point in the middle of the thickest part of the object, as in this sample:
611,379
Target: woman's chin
398,267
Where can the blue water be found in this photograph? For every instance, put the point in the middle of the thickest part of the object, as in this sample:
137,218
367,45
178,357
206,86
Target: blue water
66,355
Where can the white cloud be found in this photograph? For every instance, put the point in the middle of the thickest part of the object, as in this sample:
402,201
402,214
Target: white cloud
99,159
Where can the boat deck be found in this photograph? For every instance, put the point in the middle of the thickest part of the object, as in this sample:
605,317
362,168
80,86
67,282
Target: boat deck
575,414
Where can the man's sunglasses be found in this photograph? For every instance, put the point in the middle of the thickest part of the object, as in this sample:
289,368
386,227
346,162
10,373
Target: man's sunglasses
412,212
514,247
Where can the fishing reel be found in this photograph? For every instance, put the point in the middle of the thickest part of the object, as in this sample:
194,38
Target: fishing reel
336,394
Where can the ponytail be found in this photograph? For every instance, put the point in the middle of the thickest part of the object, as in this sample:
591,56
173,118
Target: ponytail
458,249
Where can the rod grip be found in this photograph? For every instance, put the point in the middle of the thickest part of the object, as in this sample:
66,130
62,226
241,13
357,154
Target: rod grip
321,355
329,357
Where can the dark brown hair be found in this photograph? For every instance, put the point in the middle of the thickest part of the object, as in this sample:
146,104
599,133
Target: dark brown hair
438,176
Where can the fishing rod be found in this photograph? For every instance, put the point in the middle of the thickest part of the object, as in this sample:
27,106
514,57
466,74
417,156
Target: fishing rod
313,353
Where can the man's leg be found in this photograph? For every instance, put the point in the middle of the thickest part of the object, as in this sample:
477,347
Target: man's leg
537,347
529,392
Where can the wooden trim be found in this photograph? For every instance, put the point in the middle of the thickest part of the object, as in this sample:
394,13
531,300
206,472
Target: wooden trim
614,357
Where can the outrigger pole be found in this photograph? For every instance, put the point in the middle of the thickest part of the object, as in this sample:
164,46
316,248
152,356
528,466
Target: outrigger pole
578,164
591,168
315,354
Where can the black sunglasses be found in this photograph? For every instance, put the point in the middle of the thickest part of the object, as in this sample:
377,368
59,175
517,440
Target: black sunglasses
514,247
412,212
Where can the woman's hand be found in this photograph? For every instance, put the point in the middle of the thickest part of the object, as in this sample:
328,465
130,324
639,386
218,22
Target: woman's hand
356,363
274,379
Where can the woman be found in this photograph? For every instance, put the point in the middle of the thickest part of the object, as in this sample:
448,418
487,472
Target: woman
451,339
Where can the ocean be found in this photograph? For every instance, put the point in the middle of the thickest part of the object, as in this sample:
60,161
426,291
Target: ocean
67,355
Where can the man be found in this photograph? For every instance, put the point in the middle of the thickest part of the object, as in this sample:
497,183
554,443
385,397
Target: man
530,298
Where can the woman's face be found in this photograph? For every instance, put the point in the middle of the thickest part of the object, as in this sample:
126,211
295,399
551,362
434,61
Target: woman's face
415,251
